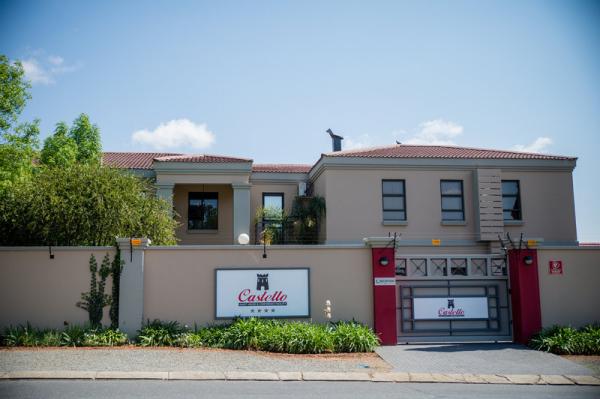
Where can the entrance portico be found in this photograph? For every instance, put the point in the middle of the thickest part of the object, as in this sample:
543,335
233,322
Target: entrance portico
179,178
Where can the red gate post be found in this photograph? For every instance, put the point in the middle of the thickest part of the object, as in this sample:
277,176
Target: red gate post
384,289
525,294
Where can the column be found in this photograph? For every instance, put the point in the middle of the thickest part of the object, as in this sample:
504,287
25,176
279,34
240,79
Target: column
241,210
164,191
131,290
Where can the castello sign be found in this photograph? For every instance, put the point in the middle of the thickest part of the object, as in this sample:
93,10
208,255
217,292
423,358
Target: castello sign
262,293
436,308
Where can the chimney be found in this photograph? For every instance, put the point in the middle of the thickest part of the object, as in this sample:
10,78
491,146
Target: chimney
336,141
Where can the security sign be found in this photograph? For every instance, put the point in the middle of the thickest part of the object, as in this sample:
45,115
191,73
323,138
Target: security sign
555,267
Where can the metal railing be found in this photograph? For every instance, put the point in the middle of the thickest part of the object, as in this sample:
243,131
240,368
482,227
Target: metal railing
288,231
453,266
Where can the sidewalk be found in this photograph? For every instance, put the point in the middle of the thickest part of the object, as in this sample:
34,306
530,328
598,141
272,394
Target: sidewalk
213,364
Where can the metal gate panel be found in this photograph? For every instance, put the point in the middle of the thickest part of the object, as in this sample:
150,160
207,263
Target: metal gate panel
452,277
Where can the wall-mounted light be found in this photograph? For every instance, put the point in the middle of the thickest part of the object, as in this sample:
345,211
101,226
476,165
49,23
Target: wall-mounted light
528,260
243,239
384,261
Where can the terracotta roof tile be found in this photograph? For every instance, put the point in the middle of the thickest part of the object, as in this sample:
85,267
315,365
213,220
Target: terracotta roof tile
132,160
200,158
144,160
436,151
281,168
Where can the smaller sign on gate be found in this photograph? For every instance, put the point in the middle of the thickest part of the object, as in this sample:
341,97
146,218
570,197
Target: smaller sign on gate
555,267
444,308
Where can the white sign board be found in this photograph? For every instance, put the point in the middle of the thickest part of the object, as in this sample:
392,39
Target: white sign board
262,293
384,281
450,308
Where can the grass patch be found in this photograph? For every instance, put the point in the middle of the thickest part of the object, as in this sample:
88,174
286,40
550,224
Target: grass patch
562,340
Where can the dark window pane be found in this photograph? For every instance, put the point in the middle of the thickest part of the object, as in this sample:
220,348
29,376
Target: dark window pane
452,203
510,187
394,215
393,203
203,211
452,187
393,187
453,216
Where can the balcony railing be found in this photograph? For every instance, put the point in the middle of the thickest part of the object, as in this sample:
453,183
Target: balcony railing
288,231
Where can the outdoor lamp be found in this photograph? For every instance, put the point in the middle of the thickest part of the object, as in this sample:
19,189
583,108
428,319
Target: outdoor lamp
243,239
384,261
528,260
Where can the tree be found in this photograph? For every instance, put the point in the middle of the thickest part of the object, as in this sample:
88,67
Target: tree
59,149
14,92
18,143
83,205
87,137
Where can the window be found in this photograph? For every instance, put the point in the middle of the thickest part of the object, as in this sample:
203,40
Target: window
273,205
394,200
511,200
203,211
453,207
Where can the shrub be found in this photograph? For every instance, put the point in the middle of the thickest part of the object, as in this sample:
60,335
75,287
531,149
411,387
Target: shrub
71,336
568,340
158,333
354,337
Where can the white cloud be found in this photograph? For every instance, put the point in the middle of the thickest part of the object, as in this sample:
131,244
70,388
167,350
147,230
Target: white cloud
176,133
538,145
35,73
43,70
436,132
56,60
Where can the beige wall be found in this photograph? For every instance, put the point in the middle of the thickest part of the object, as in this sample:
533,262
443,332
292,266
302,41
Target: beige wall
354,205
224,235
44,291
179,284
548,206
572,298
289,190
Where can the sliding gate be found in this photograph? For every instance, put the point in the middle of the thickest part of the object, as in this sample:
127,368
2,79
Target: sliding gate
452,298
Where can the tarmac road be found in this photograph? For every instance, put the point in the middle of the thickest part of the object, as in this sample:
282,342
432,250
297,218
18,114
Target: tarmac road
240,389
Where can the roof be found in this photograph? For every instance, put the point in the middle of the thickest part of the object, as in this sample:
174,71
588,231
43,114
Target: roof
437,151
281,168
144,160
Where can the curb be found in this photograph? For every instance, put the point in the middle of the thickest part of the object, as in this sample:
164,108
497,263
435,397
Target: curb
376,377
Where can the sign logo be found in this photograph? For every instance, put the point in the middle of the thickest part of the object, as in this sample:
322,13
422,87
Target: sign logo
262,282
450,303
555,267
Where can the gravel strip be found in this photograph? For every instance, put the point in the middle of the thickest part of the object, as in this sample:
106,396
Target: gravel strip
180,360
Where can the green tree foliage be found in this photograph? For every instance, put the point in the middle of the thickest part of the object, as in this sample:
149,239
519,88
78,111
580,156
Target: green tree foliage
87,137
95,300
14,92
18,142
59,150
83,205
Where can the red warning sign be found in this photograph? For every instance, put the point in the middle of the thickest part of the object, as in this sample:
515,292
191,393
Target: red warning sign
555,267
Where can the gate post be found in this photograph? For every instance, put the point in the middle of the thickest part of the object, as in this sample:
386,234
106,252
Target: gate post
384,288
525,294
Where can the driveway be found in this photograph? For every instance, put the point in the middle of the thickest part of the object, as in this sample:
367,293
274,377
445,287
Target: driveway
477,359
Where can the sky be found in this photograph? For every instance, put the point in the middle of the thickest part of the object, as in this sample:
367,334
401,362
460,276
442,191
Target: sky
266,79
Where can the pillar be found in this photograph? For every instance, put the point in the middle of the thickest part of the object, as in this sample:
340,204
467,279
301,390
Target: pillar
241,210
164,191
131,292
384,289
525,294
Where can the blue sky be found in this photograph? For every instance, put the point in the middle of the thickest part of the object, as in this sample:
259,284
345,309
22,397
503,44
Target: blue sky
265,79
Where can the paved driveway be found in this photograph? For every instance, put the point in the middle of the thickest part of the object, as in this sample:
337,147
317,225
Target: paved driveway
477,359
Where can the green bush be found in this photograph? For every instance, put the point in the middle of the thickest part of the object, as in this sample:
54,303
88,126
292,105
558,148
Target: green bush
71,336
354,337
568,340
158,333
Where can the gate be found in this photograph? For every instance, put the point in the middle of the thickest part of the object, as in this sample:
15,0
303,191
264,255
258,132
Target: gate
449,298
